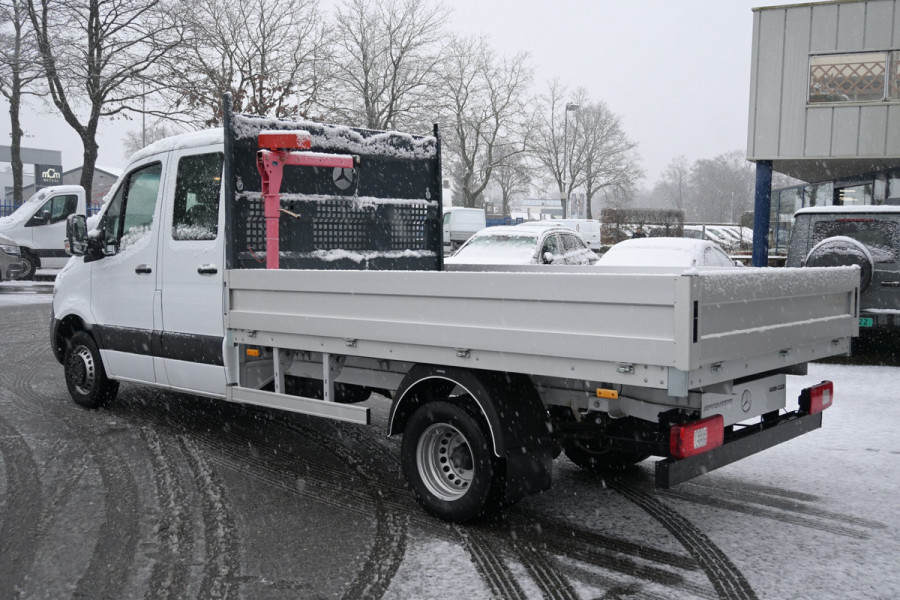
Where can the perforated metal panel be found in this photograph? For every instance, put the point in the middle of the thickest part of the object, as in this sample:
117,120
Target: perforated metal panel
383,214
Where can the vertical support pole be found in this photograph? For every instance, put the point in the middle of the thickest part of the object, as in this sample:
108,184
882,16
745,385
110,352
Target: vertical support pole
270,166
761,209
279,374
328,368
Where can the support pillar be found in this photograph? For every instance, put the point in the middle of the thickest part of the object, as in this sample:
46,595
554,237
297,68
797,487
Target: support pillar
761,211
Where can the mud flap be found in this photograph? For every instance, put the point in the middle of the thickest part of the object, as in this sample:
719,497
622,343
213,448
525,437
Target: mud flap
528,471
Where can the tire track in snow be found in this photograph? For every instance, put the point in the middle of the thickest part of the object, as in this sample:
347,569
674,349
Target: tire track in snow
609,554
169,576
21,512
726,578
391,528
329,486
777,508
488,562
113,554
220,565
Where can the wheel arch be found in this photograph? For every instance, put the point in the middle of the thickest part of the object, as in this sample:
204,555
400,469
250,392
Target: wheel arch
63,330
508,402
518,423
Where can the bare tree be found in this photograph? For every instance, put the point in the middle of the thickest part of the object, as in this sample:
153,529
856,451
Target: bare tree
548,147
135,140
484,102
676,181
723,186
386,62
96,53
19,60
271,55
513,175
605,158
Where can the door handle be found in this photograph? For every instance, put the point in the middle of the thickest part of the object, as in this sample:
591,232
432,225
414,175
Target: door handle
207,269
143,269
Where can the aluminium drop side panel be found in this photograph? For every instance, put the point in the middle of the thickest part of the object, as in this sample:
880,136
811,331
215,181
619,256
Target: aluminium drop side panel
572,325
632,329
761,312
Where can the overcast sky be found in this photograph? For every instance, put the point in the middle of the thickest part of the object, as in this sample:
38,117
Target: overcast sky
678,73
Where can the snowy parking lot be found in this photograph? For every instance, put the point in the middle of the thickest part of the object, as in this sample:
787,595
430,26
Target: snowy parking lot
166,495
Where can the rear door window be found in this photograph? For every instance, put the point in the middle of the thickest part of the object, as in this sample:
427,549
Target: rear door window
882,238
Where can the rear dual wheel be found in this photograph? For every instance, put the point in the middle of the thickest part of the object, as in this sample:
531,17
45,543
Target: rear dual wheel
594,458
449,463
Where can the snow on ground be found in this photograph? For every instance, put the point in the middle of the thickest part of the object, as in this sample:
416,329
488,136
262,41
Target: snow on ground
816,517
25,292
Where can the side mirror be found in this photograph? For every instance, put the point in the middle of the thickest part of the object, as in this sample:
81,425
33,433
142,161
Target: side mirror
548,258
76,235
45,216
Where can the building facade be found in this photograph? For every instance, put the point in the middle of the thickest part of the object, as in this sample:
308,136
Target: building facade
825,105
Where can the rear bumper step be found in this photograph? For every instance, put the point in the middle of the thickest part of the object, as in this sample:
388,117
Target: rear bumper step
738,445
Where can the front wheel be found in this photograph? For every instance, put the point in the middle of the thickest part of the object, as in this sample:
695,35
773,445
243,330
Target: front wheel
29,265
85,377
449,464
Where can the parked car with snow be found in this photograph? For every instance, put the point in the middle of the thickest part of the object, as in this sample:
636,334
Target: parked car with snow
588,229
459,224
10,259
865,236
321,278
38,226
517,245
666,252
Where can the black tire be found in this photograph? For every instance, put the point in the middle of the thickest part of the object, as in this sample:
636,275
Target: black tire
842,252
599,460
30,263
87,381
449,463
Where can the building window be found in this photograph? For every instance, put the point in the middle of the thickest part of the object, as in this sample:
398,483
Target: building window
857,77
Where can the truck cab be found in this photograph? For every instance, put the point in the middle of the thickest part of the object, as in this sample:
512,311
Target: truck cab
162,222
38,226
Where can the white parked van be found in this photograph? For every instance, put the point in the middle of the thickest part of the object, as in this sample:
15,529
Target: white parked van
460,224
39,227
588,228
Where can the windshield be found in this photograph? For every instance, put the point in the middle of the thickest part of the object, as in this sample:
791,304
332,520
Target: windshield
499,249
25,209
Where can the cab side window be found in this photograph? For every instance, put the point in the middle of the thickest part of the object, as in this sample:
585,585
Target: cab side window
130,213
551,245
57,208
197,189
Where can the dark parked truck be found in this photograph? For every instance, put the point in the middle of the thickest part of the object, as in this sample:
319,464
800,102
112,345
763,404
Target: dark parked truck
298,266
867,237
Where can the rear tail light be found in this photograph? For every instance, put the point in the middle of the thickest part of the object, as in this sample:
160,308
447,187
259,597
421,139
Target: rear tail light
817,398
697,437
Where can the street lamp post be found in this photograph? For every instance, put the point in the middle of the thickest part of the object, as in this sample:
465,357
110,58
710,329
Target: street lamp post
564,193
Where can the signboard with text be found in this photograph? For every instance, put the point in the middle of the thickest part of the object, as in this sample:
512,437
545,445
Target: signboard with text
47,175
